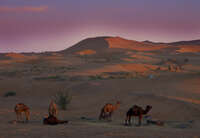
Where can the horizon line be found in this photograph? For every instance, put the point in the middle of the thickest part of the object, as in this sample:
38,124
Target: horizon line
46,51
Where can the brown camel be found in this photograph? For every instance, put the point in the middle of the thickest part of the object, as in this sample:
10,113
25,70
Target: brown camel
53,111
19,109
107,110
52,120
136,111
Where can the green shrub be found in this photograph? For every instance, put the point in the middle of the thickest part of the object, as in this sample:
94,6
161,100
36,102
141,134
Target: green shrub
10,93
63,99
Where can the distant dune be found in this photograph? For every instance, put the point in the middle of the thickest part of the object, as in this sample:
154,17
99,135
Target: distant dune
105,44
118,42
15,55
95,45
187,43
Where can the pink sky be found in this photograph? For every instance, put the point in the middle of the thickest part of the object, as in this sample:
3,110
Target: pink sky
43,25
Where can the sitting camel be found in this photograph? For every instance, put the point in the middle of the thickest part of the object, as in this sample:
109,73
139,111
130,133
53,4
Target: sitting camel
53,111
52,120
19,109
136,111
107,110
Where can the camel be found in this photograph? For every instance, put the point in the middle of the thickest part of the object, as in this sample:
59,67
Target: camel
107,110
136,111
19,109
53,111
52,120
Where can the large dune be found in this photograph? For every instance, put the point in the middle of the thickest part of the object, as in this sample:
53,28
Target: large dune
118,42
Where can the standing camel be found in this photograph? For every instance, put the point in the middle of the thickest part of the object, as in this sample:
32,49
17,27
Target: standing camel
136,111
107,110
53,111
19,109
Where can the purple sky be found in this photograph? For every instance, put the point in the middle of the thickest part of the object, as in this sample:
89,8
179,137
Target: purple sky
49,25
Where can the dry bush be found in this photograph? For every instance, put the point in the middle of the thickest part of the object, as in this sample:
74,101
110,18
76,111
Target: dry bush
62,99
10,93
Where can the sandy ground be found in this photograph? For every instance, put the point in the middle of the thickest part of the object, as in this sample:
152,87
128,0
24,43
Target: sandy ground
181,117
174,96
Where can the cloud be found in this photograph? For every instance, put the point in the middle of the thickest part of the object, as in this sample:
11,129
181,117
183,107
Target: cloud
23,9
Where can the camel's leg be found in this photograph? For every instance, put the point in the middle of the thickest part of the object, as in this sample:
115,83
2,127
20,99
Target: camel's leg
129,120
140,119
18,116
27,114
102,115
133,120
23,116
110,116
126,119
105,116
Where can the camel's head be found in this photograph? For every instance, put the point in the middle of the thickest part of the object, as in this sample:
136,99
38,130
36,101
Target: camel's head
46,116
148,107
118,102
116,106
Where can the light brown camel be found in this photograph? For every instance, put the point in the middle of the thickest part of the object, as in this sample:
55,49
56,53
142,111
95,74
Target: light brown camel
107,110
136,111
21,108
53,111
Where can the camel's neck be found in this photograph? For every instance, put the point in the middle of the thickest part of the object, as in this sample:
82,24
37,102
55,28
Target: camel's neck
146,110
116,106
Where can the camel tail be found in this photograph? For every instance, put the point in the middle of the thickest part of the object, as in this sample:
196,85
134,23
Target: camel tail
15,109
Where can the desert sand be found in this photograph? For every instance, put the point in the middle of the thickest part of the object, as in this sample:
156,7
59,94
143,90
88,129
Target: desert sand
95,73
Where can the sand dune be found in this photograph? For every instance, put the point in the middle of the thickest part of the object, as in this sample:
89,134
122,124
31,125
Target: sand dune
15,55
86,52
117,42
189,49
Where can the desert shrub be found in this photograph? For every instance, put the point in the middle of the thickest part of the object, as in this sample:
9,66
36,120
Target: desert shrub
62,99
10,93
63,68
96,77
